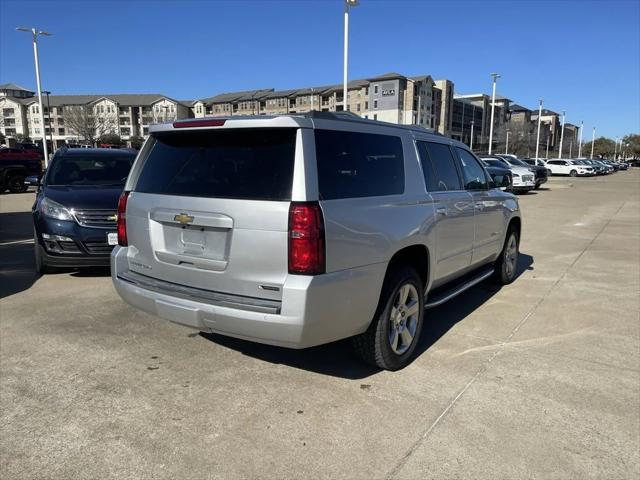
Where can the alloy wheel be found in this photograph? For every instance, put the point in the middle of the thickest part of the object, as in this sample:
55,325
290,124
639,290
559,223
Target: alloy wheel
403,320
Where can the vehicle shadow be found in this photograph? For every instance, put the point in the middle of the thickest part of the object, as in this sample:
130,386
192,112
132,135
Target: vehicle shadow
338,360
17,267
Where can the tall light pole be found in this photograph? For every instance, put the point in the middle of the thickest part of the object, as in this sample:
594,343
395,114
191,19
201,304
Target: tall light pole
571,149
471,142
615,149
547,156
580,141
47,93
506,145
495,77
347,5
562,134
539,120
35,32
593,141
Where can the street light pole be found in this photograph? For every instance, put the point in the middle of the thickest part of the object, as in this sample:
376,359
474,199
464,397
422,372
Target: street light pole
571,149
47,93
506,145
580,141
547,155
593,141
347,5
493,107
562,134
615,149
471,143
539,120
35,32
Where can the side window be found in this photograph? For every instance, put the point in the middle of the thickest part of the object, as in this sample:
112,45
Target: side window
473,173
353,165
438,167
427,167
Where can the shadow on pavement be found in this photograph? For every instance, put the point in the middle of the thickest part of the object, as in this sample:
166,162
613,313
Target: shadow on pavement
338,360
17,267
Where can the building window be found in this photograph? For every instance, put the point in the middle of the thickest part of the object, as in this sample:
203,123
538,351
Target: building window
375,89
358,107
61,131
375,116
375,104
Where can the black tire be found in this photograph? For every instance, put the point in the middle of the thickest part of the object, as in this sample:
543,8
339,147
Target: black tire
573,173
374,345
504,271
41,265
16,184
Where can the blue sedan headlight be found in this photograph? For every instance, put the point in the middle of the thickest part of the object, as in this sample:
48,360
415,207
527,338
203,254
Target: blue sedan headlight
52,209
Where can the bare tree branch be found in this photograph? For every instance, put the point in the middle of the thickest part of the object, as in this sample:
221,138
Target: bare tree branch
87,124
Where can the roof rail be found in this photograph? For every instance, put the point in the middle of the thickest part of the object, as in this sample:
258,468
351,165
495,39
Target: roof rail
353,117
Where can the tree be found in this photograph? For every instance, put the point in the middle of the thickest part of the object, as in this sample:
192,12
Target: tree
83,122
522,139
110,139
603,147
136,142
631,144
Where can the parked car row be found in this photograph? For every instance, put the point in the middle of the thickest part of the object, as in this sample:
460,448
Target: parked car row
584,167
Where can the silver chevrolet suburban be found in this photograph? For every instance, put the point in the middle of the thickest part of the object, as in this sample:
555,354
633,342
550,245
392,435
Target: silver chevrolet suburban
298,230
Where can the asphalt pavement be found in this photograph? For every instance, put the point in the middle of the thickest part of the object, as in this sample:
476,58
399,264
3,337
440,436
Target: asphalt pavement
539,379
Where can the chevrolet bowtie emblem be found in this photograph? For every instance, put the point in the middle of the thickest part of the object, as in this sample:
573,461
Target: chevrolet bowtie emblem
183,218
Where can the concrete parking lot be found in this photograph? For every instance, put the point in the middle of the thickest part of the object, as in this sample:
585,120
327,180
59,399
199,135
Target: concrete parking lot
540,379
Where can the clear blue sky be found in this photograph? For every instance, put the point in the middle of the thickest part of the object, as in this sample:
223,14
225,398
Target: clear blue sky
581,56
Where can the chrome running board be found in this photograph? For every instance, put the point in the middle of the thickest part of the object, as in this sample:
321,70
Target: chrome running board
449,294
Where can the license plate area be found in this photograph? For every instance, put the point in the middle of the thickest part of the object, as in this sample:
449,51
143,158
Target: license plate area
204,243
112,238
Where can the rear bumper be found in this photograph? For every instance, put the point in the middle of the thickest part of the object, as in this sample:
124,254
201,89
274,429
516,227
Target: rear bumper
313,309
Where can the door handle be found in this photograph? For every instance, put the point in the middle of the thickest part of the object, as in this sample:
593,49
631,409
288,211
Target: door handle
441,211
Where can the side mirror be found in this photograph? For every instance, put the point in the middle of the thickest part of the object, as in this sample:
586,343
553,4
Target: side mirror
33,181
499,181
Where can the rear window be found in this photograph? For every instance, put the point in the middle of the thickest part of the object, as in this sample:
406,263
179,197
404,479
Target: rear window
352,165
253,164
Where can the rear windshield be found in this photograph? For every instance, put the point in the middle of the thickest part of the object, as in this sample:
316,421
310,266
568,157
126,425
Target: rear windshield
98,170
254,164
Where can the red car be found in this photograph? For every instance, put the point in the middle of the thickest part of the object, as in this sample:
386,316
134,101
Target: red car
15,165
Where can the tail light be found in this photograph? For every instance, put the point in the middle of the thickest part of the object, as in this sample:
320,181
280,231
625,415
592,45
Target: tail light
306,239
122,219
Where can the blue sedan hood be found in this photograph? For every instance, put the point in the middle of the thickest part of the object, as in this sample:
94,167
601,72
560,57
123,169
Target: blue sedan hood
85,197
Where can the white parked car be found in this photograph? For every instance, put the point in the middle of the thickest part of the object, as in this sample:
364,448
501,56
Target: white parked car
572,168
523,178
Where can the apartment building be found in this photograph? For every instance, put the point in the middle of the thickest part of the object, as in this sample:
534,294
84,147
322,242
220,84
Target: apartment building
391,97
13,109
67,117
